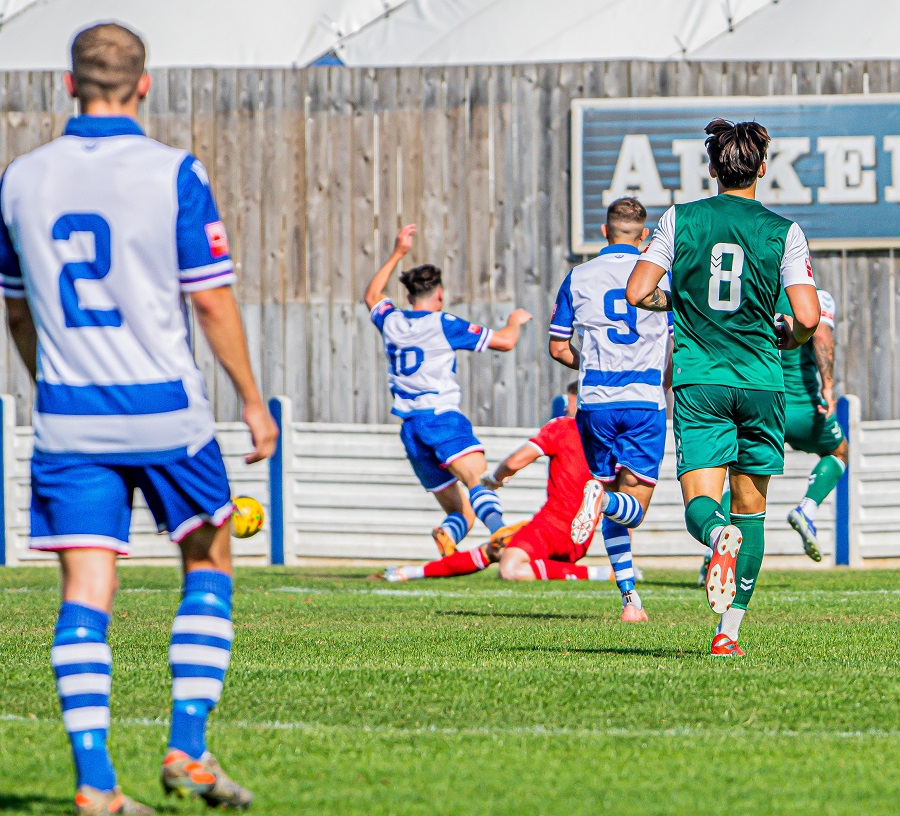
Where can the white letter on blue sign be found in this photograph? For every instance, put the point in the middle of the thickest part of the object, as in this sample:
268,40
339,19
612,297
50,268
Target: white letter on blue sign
892,146
781,184
696,181
846,182
636,174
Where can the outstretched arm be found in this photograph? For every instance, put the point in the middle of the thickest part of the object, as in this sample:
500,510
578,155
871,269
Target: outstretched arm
220,321
505,339
510,466
823,348
643,289
375,291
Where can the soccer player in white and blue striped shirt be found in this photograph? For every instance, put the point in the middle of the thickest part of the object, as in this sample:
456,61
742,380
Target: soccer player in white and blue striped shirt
621,401
102,233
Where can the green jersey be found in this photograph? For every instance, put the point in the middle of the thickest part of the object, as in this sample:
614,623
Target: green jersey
729,258
801,372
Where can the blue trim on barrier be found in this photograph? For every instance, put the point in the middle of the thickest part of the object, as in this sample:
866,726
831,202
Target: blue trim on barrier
276,490
842,509
2,493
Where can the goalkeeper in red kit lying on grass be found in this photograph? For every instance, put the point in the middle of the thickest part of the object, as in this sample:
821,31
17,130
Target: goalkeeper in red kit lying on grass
542,548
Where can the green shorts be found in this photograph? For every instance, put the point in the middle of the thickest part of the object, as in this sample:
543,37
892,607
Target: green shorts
723,426
807,429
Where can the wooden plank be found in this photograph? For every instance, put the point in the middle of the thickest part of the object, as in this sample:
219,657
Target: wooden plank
154,112
455,263
274,182
856,340
180,89
387,212
228,162
807,77
412,183
294,137
879,346
757,78
432,209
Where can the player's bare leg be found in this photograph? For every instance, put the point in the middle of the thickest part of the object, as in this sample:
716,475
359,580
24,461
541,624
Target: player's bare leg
485,503
199,656
823,479
82,663
454,499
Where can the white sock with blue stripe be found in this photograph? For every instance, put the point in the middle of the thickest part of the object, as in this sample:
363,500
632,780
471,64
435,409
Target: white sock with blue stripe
82,663
618,548
622,508
487,507
456,526
199,655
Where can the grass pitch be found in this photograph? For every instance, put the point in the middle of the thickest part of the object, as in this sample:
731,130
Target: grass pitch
466,696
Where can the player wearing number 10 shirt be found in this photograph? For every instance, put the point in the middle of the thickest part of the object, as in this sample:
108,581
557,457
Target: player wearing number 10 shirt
729,258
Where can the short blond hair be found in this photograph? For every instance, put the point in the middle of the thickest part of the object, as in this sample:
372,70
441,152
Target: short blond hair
107,63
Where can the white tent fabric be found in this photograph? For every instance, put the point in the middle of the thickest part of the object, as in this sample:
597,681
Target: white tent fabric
264,33
811,30
457,32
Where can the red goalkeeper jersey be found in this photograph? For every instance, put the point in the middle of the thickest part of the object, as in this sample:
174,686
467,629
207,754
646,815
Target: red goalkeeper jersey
559,439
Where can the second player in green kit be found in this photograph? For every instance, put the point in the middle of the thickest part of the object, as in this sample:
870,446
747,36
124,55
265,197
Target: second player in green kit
730,258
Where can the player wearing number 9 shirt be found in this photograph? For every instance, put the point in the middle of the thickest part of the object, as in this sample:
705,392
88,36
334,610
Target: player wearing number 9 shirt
102,232
421,345
729,258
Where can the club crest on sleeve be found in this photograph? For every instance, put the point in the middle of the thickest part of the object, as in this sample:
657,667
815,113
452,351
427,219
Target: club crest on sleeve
475,329
218,239
809,266
385,307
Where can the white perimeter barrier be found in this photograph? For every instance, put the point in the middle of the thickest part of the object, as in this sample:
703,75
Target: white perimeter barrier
347,491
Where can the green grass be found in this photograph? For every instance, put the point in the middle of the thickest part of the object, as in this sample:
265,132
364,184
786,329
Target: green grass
468,697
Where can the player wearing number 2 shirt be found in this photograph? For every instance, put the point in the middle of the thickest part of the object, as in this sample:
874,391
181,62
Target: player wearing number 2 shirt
729,258
102,233
421,345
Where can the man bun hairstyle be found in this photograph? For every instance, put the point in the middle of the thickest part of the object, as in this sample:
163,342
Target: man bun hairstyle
625,219
421,281
107,63
736,151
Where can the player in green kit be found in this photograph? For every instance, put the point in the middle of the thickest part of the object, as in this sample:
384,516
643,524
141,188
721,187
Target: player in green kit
810,424
729,258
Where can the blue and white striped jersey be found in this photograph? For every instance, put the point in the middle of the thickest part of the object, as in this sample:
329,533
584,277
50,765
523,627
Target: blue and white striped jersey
103,230
623,348
421,350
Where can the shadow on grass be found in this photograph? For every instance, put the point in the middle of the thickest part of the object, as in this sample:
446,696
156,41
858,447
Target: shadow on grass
49,805
608,650
471,613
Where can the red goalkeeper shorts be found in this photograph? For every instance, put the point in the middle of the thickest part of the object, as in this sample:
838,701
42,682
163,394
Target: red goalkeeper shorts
543,540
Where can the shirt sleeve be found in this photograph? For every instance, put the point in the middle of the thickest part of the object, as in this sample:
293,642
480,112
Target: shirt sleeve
547,438
463,335
562,320
11,282
796,266
204,257
826,301
661,249
380,311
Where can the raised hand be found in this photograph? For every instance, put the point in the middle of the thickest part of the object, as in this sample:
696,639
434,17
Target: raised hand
404,240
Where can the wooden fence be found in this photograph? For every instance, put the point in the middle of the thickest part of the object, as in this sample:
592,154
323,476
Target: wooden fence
315,169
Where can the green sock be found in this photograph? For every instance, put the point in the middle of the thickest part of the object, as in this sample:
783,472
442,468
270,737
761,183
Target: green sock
726,506
824,478
702,516
750,557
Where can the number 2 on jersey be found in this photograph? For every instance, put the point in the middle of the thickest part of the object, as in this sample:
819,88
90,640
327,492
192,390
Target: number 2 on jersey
725,280
95,269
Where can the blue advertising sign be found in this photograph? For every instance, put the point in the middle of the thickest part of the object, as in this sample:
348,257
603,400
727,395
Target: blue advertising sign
833,166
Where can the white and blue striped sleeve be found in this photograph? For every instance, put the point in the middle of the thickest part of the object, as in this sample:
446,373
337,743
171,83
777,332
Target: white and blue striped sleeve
563,318
463,335
10,270
204,258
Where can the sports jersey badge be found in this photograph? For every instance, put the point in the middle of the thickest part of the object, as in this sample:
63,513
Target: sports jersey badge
475,329
218,239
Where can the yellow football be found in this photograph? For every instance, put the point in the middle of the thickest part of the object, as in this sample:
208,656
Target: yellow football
247,516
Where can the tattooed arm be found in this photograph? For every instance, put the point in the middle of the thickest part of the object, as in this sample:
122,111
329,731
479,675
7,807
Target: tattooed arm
823,348
659,300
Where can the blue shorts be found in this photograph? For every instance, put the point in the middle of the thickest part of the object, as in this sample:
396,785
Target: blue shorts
433,441
88,504
616,438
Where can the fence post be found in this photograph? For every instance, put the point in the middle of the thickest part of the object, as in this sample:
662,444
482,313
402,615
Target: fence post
281,411
847,521
7,460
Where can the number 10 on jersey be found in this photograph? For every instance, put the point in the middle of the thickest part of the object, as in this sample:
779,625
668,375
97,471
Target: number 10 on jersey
725,266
